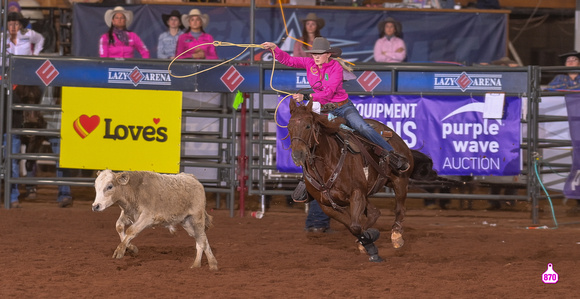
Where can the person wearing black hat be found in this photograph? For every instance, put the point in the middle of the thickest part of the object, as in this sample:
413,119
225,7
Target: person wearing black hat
167,42
570,80
325,76
22,41
311,26
390,47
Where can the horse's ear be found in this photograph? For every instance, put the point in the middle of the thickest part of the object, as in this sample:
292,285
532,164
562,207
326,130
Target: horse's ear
293,104
309,106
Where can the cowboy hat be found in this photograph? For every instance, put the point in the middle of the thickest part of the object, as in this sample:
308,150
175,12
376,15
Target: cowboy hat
195,12
174,13
16,16
321,45
565,56
109,14
312,17
398,27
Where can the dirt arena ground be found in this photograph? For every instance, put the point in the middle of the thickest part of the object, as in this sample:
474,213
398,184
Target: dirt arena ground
51,252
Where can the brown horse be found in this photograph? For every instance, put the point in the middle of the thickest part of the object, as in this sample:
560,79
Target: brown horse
342,170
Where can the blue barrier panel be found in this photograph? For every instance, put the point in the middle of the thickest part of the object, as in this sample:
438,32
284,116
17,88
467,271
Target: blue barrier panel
446,82
132,74
295,79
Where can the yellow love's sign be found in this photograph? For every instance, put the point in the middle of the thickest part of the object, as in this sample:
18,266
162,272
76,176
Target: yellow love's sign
121,129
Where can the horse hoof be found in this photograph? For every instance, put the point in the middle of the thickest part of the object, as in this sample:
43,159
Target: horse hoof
375,259
397,239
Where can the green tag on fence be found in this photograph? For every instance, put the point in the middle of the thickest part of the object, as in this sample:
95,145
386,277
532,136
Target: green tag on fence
238,100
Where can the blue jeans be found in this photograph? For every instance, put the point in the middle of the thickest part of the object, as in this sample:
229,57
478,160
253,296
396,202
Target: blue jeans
355,121
63,190
14,193
316,217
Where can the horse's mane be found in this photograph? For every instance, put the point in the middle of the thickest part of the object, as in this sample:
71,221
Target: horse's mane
326,125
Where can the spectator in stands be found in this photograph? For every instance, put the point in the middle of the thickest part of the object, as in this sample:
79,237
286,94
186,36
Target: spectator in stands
53,121
167,42
120,42
316,220
195,37
390,46
311,26
14,6
22,41
570,80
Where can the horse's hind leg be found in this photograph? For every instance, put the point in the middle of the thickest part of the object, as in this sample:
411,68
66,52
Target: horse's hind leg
400,189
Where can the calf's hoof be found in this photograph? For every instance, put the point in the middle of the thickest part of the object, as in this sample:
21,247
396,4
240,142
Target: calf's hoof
397,239
119,252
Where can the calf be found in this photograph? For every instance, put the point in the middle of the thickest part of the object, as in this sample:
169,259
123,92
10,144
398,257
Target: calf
147,199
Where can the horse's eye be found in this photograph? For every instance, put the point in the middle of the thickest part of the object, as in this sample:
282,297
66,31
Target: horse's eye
307,127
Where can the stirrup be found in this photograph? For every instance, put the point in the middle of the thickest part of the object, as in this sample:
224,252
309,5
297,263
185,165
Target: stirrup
300,194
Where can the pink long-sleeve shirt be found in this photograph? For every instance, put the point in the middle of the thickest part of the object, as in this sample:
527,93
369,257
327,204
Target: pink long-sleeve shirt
186,41
326,81
119,49
385,50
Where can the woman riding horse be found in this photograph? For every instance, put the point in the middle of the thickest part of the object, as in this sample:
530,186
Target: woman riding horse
325,76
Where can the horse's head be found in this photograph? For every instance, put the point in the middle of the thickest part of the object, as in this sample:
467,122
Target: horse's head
303,131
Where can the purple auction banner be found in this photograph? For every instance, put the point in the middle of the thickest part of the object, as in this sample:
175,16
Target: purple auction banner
449,129
572,185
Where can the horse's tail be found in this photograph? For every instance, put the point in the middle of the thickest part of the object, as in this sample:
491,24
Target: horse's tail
423,167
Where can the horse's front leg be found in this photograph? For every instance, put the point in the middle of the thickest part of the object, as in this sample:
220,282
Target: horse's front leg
366,236
358,203
400,189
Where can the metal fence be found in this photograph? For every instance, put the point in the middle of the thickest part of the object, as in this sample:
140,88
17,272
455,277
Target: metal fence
226,131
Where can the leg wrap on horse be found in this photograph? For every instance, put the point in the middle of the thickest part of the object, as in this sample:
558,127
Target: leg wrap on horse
369,236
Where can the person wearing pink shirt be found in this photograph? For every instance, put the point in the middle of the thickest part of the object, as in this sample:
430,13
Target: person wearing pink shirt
195,36
390,47
325,76
120,42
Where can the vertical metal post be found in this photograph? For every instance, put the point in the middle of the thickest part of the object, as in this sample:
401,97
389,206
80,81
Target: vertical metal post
532,135
252,30
577,26
5,168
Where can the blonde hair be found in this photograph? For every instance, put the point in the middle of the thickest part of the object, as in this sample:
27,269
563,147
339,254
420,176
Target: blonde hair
343,64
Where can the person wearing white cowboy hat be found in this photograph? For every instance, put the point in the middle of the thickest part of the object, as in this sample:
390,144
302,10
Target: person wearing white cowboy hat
311,26
325,76
22,41
119,42
571,80
195,42
390,47
167,42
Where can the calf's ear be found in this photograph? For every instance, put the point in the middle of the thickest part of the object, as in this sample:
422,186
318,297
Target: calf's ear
123,178
98,173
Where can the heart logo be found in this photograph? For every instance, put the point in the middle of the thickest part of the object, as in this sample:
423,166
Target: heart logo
84,125
156,120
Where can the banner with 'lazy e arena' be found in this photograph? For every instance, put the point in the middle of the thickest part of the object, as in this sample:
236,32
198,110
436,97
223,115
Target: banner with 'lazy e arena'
121,129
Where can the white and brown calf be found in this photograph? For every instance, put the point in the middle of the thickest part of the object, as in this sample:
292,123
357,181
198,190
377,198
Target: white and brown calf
147,199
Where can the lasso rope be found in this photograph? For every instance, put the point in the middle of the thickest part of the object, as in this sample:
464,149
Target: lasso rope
247,46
